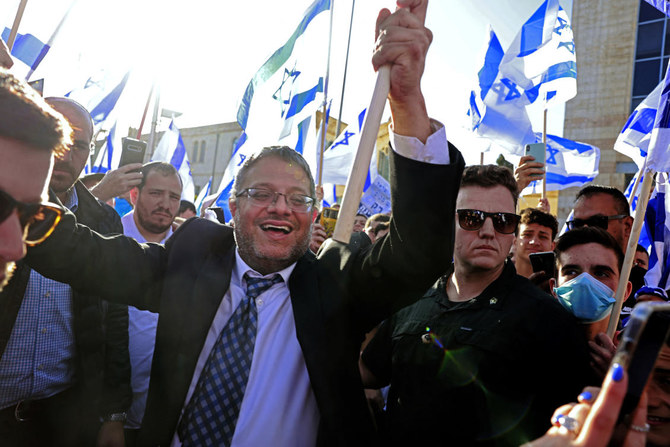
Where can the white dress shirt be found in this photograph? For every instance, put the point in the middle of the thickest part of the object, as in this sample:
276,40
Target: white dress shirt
279,407
142,326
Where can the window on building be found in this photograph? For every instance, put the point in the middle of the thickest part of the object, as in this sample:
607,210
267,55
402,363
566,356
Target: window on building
194,154
651,53
203,146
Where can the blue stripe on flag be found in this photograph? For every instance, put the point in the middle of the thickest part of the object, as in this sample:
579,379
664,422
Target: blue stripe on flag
565,179
299,101
27,48
487,75
277,59
303,127
532,32
101,111
567,69
572,145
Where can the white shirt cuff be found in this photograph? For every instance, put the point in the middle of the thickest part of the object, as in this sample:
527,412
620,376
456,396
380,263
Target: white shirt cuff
434,151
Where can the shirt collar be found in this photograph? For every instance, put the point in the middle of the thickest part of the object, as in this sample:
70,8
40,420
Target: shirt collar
241,267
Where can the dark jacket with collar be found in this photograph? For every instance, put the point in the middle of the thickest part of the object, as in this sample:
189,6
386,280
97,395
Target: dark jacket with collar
100,328
336,297
488,372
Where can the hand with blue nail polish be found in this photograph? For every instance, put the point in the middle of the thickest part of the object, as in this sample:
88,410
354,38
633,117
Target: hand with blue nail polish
593,420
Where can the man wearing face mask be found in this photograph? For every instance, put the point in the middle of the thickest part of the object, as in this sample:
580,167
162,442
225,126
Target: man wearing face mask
588,261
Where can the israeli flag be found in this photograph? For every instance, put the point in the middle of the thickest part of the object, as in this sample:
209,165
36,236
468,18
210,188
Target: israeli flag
27,48
658,155
171,149
338,158
497,108
108,158
541,60
100,94
635,136
657,228
661,5
280,91
568,163
200,200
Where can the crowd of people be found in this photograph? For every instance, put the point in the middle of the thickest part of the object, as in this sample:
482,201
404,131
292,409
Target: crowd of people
127,320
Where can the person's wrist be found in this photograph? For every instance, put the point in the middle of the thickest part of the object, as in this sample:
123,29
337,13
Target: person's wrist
115,417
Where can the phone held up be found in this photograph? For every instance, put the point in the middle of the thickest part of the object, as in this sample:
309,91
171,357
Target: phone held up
538,152
543,262
132,151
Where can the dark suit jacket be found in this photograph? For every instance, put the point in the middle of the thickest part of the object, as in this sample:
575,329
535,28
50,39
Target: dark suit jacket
100,329
336,297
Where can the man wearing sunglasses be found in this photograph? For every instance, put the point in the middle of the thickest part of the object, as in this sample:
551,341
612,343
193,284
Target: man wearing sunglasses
30,132
288,373
471,362
605,207
60,371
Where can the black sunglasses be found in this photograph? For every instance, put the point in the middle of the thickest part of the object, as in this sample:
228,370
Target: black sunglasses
473,220
598,220
38,220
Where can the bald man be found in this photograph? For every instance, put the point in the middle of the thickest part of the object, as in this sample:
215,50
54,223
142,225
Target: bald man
65,365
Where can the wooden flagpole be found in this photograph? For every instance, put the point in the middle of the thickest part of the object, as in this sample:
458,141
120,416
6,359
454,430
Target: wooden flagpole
324,117
640,211
15,26
366,146
544,141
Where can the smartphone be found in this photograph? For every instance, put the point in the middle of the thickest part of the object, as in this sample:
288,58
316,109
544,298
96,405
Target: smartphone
543,261
329,219
643,338
132,151
538,152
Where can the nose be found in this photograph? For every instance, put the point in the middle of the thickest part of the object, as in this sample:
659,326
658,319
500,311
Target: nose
487,230
12,247
280,204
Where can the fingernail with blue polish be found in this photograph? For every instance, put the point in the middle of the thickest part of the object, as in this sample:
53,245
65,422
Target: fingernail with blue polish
617,372
585,397
554,420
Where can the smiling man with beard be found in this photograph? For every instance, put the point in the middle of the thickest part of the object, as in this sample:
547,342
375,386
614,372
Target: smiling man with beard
258,338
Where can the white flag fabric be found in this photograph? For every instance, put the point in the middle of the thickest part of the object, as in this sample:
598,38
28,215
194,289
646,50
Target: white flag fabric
541,60
279,95
634,138
171,150
658,155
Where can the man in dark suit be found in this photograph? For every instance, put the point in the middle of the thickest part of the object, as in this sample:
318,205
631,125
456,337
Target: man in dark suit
302,386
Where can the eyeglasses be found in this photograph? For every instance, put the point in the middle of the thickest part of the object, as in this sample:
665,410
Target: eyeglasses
38,220
598,220
299,203
473,220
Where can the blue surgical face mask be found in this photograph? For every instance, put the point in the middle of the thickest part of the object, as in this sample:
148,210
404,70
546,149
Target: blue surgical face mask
586,298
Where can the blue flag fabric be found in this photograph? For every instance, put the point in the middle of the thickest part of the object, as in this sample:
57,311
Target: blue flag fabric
657,229
661,5
277,96
27,48
658,155
200,200
108,158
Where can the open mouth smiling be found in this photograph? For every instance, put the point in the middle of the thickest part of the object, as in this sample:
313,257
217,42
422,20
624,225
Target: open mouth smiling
276,228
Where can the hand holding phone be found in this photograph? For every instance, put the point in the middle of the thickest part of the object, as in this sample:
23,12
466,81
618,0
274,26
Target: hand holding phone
132,151
538,152
543,261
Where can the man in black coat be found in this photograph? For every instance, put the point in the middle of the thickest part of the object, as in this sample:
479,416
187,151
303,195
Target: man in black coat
64,361
303,383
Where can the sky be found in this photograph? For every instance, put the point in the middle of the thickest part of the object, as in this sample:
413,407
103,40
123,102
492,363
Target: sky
202,53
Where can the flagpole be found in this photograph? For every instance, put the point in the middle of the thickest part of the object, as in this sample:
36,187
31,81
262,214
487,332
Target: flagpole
544,141
154,121
146,109
637,182
324,118
15,26
366,146
54,34
640,211
346,64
